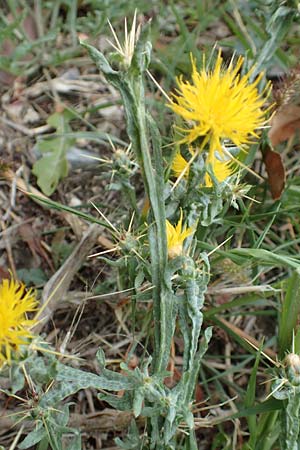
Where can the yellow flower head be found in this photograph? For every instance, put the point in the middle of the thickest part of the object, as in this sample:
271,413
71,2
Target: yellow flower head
222,168
219,104
15,303
176,236
179,165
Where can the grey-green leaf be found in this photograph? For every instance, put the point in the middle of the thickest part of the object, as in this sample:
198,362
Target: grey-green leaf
33,437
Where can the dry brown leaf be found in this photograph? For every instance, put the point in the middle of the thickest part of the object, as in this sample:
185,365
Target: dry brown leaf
4,274
32,238
284,124
276,172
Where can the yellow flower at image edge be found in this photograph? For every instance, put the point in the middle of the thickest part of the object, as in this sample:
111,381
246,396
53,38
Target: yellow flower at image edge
15,303
176,236
220,105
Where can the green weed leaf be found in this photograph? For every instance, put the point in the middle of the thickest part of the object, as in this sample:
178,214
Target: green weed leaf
53,166
33,437
290,425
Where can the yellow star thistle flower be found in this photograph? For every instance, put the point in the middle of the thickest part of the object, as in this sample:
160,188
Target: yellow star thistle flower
15,303
176,236
222,169
179,164
220,105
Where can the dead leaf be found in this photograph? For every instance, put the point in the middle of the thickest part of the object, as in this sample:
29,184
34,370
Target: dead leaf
276,172
4,274
284,124
32,238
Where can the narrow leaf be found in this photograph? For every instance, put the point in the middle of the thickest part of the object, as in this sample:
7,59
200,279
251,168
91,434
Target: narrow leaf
289,315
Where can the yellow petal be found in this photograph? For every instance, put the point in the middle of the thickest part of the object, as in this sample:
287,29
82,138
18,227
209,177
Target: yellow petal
15,326
220,103
176,236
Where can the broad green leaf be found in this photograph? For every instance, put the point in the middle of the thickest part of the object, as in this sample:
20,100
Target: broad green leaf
53,165
50,169
33,437
72,380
